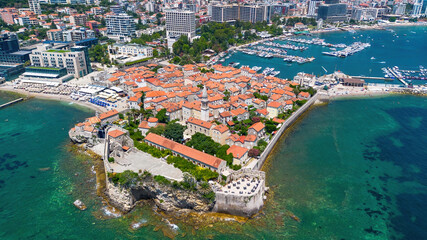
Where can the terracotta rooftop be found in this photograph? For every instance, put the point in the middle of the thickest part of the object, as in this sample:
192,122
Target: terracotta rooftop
257,126
108,114
115,133
199,122
237,151
184,150
221,128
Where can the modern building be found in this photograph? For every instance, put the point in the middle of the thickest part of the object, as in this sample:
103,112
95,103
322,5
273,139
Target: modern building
120,26
46,74
75,60
246,13
124,53
73,35
54,35
178,23
416,9
9,71
78,19
399,8
9,50
35,6
77,34
117,9
313,5
364,14
130,50
336,12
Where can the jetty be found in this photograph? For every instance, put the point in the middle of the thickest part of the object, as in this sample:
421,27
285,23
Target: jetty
11,102
378,78
392,72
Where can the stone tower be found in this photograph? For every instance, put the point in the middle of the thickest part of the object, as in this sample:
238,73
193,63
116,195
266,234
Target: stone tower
204,114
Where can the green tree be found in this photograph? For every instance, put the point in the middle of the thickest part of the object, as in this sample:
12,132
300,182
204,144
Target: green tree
175,132
161,116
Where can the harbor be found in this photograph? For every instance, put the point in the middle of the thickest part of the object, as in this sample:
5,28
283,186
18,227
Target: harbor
367,63
350,50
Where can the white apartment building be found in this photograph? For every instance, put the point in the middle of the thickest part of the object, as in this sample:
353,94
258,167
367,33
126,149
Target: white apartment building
134,50
73,61
120,26
364,14
77,34
54,35
179,22
35,6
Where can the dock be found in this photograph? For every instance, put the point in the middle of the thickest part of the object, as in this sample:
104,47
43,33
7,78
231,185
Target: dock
378,78
397,77
11,102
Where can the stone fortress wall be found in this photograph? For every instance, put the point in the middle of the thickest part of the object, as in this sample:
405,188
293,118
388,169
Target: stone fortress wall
243,195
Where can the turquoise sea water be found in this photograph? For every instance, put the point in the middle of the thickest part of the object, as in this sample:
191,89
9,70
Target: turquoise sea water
353,169
407,50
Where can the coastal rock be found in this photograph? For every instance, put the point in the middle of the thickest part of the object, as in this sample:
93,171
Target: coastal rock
165,197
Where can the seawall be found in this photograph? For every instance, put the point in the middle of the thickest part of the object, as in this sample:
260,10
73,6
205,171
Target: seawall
282,129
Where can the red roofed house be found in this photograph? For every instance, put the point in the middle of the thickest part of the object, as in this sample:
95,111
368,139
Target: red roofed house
304,95
220,134
257,129
274,108
134,102
195,156
195,125
144,126
110,116
240,154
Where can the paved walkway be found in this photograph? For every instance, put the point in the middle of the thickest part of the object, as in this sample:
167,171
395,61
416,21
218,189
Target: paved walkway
138,160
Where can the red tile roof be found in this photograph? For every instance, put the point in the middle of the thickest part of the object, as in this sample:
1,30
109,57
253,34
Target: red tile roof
108,114
237,151
115,133
199,122
257,126
184,150
221,128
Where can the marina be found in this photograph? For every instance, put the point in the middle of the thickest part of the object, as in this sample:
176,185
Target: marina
264,53
350,50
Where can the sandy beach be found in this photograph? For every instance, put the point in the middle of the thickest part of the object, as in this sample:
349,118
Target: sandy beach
53,97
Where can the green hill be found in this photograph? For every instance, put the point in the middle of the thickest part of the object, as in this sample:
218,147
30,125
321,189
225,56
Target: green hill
14,3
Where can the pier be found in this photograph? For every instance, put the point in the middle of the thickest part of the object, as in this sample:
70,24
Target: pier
397,76
11,102
378,78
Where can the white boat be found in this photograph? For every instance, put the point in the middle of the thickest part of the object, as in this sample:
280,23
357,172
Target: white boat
372,58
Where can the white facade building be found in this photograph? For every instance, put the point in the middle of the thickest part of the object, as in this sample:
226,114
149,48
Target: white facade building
365,14
35,6
134,50
73,61
416,10
120,26
179,22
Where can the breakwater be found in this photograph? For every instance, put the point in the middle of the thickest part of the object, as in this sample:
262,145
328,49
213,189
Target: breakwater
282,129
11,102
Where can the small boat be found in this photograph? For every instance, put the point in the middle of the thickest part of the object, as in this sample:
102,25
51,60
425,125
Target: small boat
372,58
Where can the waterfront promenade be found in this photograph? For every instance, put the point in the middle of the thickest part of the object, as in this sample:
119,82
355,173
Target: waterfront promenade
288,122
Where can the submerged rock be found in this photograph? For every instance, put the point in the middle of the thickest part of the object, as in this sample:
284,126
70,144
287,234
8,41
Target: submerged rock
80,205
